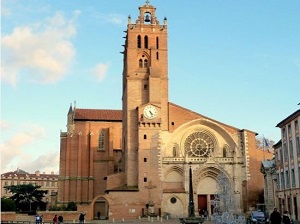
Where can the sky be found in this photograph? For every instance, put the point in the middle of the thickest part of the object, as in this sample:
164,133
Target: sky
234,61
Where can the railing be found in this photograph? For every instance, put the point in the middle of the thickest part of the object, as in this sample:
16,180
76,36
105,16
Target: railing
195,160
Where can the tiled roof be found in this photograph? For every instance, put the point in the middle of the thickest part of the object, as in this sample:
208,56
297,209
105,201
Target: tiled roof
94,114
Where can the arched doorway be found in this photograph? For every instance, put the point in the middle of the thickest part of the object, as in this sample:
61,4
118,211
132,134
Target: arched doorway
101,206
206,190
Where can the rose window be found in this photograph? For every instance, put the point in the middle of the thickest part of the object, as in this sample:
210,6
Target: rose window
199,144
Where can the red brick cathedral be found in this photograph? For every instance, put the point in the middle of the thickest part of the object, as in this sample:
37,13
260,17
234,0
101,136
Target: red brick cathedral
135,161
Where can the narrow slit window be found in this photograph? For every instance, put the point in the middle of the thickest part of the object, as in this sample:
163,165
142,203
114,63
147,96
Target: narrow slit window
146,42
140,63
139,41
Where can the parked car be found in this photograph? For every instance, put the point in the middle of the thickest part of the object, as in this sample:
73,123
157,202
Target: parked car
258,217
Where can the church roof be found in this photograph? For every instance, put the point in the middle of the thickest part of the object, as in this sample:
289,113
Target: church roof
99,115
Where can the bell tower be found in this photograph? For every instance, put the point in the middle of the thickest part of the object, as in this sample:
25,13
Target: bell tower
145,96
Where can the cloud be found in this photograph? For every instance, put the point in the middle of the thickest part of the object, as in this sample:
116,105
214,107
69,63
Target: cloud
40,52
100,71
21,149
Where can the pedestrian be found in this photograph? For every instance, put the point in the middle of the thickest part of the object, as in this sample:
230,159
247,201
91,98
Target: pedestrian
286,218
55,220
60,219
37,219
275,217
81,217
98,214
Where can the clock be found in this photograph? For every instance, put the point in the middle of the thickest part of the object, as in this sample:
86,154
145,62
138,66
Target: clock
150,112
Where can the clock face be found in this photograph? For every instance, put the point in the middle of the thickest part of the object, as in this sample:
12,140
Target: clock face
150,112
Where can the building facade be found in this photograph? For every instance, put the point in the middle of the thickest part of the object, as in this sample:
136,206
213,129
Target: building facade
287,157
47,182
149,146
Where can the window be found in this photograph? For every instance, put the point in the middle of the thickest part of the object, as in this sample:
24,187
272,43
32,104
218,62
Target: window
53,184
289,130
282,181
145,136
145,63
281,155
291,148
140,63
138,41
157,56
298,146
293,178
278,182
287,179
283,134
146,42
224,152
285,152
145,160
157,43
296,127
101,140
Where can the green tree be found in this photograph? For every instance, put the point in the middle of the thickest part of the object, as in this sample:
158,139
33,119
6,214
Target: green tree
71,206
7,205
27,197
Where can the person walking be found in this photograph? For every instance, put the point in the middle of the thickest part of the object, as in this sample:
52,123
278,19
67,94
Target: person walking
275,217
81,218
55,220
286,218
60,219
98,214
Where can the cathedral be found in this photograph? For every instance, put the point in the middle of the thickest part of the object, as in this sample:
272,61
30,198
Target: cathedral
136,161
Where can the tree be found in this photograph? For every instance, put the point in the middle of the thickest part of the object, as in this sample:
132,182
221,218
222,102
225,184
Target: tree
7,205
71,206
27,197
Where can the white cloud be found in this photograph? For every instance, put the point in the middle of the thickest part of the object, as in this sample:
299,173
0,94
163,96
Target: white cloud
20,149
100,71
40,52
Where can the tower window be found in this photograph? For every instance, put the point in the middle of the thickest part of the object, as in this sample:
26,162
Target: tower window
139,41
145,86
140,63
157,43
145,179
145,136
145,160
157,55
172,123
146,42
145,63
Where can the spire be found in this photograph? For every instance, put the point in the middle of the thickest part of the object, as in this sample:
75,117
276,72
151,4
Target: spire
147,2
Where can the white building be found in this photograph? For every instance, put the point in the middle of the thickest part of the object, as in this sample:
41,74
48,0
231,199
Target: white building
287,157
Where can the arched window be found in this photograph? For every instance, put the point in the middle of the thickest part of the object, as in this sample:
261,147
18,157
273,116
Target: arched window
145,63
140,63
157,43
224,152
101,140
146,41
139,41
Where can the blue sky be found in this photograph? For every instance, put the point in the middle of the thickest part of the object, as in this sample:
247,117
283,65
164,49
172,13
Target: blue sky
234,61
